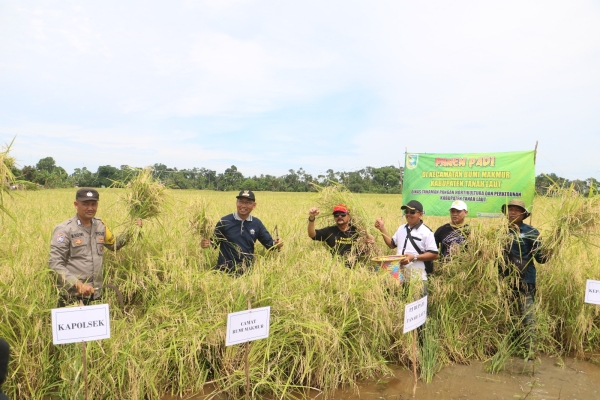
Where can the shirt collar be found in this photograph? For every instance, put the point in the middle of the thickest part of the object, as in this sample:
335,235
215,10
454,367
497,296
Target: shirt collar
237,217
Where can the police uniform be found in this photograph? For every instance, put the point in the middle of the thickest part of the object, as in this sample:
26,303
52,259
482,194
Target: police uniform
76,253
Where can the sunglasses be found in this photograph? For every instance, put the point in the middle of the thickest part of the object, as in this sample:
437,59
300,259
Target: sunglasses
411,212
339,214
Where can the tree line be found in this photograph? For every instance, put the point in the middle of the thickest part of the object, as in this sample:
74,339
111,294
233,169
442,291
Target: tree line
367,180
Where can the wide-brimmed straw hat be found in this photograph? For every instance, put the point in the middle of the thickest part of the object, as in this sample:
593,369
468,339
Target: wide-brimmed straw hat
518,203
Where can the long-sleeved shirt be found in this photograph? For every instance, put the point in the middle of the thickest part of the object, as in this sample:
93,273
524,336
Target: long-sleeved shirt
76,253
525,247
236,237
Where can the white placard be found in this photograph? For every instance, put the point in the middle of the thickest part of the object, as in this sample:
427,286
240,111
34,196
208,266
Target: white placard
80,324
415,314
592,292
246,326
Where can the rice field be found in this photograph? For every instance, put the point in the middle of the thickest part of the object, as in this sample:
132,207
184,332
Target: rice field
330,326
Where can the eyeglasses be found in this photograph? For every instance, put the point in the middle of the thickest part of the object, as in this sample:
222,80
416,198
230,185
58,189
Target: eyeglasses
411,212
246,203
339,214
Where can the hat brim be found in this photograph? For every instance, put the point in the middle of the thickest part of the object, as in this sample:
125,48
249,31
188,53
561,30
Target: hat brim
525,212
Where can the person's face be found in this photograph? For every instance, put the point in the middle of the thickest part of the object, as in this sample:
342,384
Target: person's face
245,207
458,216
341,218
412,216
86,210
515,215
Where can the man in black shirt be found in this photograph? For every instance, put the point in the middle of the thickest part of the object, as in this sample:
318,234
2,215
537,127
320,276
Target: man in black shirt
341,237
451,236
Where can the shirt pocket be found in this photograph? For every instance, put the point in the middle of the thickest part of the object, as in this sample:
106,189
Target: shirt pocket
79,245
100,244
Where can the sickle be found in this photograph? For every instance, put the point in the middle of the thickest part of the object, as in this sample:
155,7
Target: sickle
117,291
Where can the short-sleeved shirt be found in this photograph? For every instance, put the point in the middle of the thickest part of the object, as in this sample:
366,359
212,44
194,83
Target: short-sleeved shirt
423,237
450,236
236,238
340,242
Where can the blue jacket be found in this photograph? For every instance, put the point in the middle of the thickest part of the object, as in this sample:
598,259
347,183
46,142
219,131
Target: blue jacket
525,247
236,238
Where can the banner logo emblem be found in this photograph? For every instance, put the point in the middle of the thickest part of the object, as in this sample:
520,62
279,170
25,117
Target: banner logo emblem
412,160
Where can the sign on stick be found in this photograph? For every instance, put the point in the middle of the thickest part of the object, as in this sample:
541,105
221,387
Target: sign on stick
592,292
415,314
80,324
246,326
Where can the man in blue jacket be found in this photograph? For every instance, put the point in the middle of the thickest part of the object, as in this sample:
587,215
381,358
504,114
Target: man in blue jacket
236,233
523,247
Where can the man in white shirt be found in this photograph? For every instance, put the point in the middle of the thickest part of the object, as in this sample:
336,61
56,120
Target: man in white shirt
413,239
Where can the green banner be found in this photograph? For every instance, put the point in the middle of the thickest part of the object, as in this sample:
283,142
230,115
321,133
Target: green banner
485,181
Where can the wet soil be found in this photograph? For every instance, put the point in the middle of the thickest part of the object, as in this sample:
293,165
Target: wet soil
545,379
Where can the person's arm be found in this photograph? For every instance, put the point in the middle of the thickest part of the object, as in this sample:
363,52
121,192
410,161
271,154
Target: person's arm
537,252
265,238
379,224
218,237
113,242
312,215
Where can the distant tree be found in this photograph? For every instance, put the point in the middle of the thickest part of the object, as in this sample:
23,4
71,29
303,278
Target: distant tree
46,164
28,173
107,175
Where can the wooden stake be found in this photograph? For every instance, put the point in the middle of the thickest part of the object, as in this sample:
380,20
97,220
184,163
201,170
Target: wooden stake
414,348
246,361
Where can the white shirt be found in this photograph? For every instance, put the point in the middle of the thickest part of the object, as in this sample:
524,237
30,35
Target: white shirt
423,237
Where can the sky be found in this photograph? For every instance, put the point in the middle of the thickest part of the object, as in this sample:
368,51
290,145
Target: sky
270,86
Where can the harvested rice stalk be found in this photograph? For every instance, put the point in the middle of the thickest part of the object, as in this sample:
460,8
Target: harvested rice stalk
145,196
6,176
575,217
201,223
336,193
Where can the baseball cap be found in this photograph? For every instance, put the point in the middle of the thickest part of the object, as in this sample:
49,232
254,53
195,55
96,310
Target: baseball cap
459,205
341,208
246,194
413,205
85,194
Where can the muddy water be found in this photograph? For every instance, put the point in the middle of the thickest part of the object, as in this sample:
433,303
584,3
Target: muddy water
545,379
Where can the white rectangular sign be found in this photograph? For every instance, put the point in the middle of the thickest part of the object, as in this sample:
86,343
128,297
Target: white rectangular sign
415,314
80,324
248,325
592,292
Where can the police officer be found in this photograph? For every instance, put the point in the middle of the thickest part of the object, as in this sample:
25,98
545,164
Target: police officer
77,248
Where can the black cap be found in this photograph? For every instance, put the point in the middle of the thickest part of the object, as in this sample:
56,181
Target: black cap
86,194
246,194
413,205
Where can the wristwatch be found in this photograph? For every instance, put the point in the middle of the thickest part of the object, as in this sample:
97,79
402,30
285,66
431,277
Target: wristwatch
415,258
311,220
